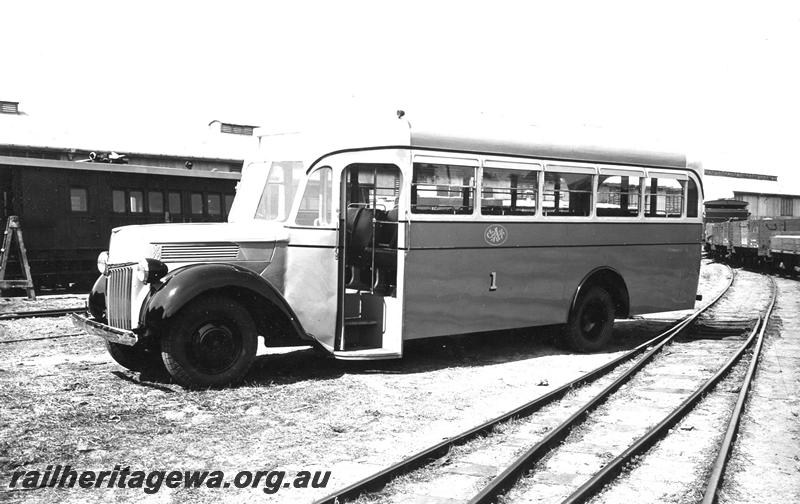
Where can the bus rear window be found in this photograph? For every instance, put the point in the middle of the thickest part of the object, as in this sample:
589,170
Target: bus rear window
567,194
691,199
442,189
509,192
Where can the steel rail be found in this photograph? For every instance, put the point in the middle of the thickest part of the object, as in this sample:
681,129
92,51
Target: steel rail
379,479
13,315
716,477
56,336
508,478
616,466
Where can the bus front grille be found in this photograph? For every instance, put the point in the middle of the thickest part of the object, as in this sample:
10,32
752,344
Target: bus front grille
118,297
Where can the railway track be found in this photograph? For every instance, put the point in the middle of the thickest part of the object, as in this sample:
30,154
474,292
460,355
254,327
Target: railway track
13,315
518,455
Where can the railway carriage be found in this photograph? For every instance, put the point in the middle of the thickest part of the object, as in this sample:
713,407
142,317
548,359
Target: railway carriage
356,241
785,251
69,208
755,242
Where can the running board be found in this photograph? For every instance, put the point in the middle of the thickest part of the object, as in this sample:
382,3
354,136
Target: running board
366,354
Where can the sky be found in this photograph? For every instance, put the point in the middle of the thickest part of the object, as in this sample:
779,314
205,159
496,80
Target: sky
721,78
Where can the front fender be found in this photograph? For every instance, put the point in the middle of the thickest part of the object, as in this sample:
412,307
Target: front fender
97,299
182,285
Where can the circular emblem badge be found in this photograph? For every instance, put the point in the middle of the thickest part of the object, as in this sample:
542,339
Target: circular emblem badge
495,234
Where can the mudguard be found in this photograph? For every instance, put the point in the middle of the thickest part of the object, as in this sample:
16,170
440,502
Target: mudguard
182,285
97,299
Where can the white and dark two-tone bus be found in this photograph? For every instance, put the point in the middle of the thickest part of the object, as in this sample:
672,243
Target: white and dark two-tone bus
358,241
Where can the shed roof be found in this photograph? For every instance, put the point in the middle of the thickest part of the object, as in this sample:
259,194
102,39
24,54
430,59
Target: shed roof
726,187
154,138
119,168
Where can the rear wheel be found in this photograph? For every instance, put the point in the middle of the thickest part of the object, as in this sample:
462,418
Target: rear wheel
211,343
591,321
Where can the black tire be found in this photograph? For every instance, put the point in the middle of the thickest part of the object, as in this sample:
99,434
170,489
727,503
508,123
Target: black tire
211,343
591,321
137,357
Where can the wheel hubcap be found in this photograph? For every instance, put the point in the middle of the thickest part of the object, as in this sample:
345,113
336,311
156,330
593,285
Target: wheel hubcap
593,320
215,347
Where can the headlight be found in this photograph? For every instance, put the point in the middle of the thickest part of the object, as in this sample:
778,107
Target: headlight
102,262
150,270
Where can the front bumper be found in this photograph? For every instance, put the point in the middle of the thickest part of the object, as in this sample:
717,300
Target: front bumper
106,332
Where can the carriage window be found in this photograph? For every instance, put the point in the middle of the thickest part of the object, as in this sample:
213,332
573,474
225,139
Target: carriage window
197,203
228,203
78,199
136,199
618,196
663,197
118,201
315,207
509,192
155,202
442,189
175,203
214,204
567,194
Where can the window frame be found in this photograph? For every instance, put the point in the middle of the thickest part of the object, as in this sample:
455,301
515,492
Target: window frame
677,175
621,172
226,208
465,162
128,201
300,196
86,199
575,169
202,212
124,201
520,166
207,204
169,203
784,202
147,202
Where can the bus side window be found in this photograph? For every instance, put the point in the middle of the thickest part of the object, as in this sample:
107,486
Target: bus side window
567,194
618,196
315,207
663,197
442,189
509,192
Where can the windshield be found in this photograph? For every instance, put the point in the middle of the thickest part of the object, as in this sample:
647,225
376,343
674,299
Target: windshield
267,190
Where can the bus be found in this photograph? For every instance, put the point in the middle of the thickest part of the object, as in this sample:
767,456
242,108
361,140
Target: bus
355,240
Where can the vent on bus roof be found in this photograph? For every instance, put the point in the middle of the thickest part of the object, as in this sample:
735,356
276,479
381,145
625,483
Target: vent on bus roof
9,107
236,129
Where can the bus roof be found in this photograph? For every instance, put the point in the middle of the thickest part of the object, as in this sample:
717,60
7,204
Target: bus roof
592,145
585,145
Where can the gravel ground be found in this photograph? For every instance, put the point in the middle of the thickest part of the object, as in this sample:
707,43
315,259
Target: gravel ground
49,302
765,464
65,402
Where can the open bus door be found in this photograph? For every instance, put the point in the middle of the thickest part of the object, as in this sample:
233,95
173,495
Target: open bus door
370,307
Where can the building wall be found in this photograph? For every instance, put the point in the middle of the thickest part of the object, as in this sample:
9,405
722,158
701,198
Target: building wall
769,205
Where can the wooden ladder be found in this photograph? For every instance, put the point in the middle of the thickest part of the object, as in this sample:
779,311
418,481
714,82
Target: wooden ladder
14,229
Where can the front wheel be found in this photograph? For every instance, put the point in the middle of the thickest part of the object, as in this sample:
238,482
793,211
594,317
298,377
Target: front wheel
591,321
211,343
137,357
